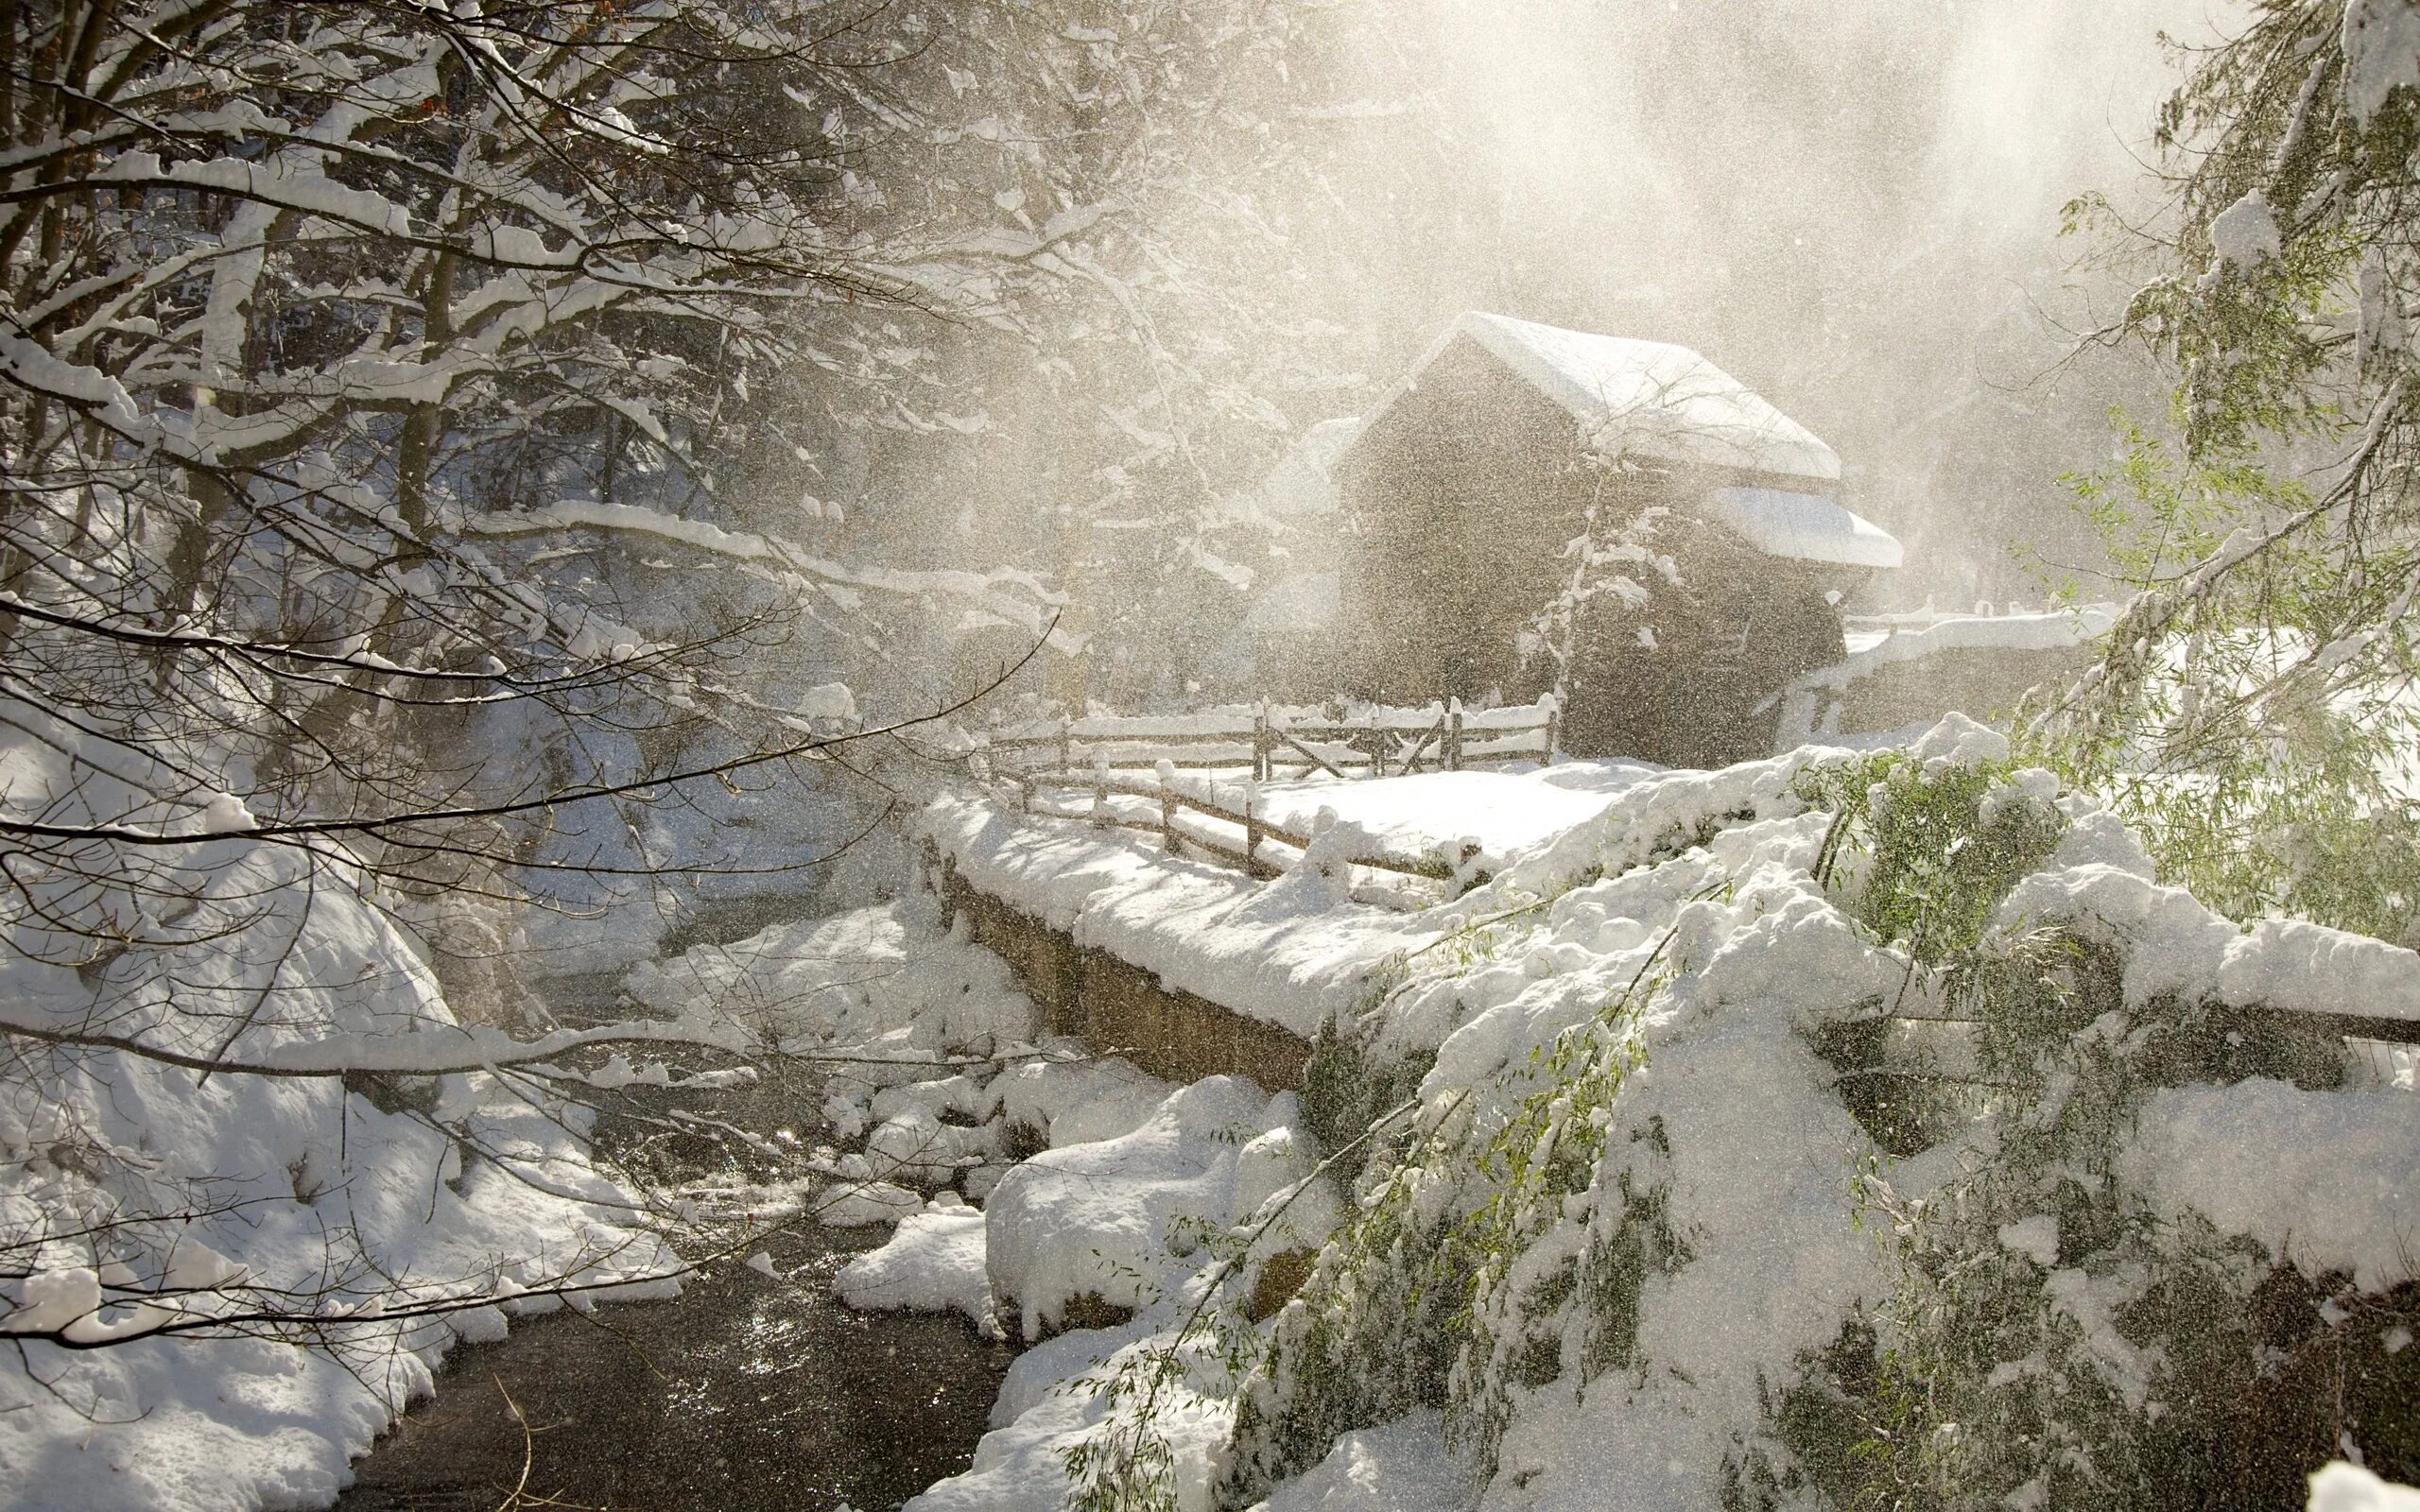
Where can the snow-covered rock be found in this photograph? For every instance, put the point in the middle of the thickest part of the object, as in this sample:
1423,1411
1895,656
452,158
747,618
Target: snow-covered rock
1117,1218
933,1262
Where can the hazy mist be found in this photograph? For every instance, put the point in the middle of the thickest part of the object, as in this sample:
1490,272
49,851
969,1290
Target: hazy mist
1853,207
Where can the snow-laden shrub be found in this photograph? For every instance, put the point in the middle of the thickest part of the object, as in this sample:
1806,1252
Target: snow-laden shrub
1589,1194
2063,1329
1621,1249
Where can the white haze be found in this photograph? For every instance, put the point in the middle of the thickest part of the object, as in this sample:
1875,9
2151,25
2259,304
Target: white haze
1853,207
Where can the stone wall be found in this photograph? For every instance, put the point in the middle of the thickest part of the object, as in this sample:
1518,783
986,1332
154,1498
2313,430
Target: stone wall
1122,1009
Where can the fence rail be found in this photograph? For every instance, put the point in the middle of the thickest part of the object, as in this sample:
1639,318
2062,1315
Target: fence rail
1152,774
1239,832
1273,740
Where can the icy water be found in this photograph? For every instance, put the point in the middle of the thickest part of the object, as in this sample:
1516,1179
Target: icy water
746,1394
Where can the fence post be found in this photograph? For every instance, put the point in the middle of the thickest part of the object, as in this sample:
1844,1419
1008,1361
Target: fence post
1260,742
1066,757
1453,734
1554,720
1252,828
1167,817
1100,790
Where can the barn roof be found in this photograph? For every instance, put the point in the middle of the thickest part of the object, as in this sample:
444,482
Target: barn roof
1803,526
1639,398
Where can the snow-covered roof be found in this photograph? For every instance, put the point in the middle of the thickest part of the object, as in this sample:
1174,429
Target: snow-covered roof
1802,527
1302,482
1641,397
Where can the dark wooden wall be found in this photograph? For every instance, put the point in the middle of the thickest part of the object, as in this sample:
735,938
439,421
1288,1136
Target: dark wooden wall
1739,628
1458,502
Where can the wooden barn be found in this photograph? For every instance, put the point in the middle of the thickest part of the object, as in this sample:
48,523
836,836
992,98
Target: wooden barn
1455,497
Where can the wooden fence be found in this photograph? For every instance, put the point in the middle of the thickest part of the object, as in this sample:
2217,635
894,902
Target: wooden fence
1238,829
1154,775
1271,740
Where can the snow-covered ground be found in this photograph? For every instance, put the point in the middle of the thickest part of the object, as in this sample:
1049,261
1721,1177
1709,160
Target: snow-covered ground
1291,952
1118,1223
307,1198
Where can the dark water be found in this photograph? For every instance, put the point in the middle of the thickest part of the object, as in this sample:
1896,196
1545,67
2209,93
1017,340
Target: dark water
746,1393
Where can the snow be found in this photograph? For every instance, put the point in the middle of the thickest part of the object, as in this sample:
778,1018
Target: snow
2330,1179
1957,740
1186,922
1504,811
2381,43
1021,1467
933,1262
2049,631
1699,884
175,1198
1761,1159
1110,1219
865,1203
2177,946
877,983
932,1062
200,1423
2037,1238
1802,527
1803,701
1402,1466
2342,1487
1640,398
1659,811
2245,233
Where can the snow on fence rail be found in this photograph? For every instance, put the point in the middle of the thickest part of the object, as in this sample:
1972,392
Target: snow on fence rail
1224,821
1374,741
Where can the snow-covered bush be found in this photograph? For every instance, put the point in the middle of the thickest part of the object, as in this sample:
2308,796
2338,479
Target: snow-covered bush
1686,1220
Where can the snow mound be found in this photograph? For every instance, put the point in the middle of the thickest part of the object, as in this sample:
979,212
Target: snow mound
1403,1467
1189,922
1113,1220
314,1198
2341,1487
933,1262
2330,1179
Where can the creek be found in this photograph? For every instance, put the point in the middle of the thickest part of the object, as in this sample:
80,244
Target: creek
747,1392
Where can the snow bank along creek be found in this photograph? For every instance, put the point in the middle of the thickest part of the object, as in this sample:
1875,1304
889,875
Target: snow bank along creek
856,1358
1207,1301
755,1387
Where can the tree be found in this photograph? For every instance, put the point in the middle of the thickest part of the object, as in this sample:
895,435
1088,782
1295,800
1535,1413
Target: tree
2254,705
337,343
